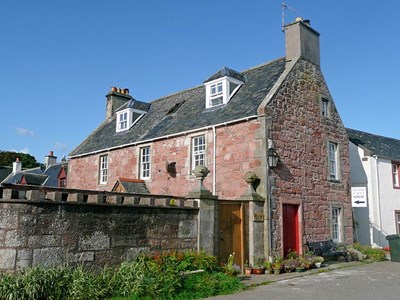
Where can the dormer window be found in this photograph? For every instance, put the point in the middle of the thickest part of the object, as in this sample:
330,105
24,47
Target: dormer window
222,86
127,115
124,119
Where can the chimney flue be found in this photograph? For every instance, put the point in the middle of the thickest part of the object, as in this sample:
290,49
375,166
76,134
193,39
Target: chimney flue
17,165
302,41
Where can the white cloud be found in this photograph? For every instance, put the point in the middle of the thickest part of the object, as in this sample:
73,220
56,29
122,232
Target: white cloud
24,132
23,150
59,146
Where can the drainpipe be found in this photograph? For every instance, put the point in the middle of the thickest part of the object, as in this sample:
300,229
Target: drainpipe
379,199
214,160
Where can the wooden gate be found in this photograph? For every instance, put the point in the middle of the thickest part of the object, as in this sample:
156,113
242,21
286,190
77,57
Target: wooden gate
231,231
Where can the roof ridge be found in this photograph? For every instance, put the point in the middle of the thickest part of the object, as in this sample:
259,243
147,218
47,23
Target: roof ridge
201,85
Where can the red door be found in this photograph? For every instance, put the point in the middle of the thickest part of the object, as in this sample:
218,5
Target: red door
291,236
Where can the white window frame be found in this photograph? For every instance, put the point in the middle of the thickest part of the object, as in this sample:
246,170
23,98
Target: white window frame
145,162
213,92
122,121
103,169
333,161
396,174
397,221
325,108
198,150
337,224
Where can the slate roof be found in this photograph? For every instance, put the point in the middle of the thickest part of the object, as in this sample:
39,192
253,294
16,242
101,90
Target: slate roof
226,72
38,176
381,146
133,186
4,172
190,115
34,179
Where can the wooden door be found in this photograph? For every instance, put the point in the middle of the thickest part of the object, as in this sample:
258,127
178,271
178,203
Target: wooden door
230,232
291,235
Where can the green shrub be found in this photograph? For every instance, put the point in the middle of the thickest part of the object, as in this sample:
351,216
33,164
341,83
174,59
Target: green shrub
373,254
160,276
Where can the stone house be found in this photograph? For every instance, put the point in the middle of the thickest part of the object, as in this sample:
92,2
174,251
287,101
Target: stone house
237,124
375,184
51,174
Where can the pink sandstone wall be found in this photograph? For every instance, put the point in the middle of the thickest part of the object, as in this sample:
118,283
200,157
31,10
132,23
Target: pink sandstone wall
236,153
301,135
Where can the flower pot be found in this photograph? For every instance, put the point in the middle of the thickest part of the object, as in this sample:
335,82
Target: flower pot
277,271
300,269
258,271
317,265
248,271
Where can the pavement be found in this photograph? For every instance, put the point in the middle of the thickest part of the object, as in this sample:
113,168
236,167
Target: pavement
263,279
336,281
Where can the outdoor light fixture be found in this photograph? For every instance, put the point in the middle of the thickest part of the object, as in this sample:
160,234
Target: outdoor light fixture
272,158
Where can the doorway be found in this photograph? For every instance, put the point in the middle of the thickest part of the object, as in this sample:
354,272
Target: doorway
231,228
291,234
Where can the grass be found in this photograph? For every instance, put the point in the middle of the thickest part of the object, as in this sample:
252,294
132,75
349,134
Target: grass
160,276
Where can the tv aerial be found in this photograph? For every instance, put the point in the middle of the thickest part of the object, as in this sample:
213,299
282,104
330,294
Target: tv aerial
286,7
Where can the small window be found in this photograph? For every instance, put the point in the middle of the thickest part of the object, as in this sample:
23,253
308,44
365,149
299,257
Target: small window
397,213
216,94
103,174
123,121
145,162
175,108
62,182
336,224
325,108
198,151
396,174
333,161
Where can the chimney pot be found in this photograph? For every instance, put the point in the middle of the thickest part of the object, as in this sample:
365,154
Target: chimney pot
126,91
113,89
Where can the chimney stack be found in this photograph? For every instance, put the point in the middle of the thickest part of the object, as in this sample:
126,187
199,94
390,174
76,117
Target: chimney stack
50,160
115,99
17,165
302,41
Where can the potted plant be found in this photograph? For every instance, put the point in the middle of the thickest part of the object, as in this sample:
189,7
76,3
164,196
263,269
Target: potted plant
277,265
318,260
248,269
291,264
268,267
258,267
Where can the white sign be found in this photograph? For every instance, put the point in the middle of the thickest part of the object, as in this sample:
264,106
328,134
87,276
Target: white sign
359,196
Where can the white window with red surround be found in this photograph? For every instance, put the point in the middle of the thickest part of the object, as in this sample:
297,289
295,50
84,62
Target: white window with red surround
336,224
145,163
198,151
396,174
333,161
103,170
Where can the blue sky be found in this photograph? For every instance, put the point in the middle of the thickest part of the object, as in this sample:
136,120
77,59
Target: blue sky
58,59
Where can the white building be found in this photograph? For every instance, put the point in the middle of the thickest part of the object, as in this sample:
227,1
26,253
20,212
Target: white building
374,166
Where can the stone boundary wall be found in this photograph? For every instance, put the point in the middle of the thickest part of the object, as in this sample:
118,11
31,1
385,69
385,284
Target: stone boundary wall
50,226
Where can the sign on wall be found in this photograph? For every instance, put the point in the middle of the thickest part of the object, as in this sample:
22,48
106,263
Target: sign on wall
359,196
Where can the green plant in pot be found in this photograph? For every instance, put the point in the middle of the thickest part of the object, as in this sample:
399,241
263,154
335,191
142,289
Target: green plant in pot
318,260
258,267
277,265
248,268
268,266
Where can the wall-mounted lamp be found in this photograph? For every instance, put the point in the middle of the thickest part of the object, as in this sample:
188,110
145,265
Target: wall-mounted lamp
272,158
